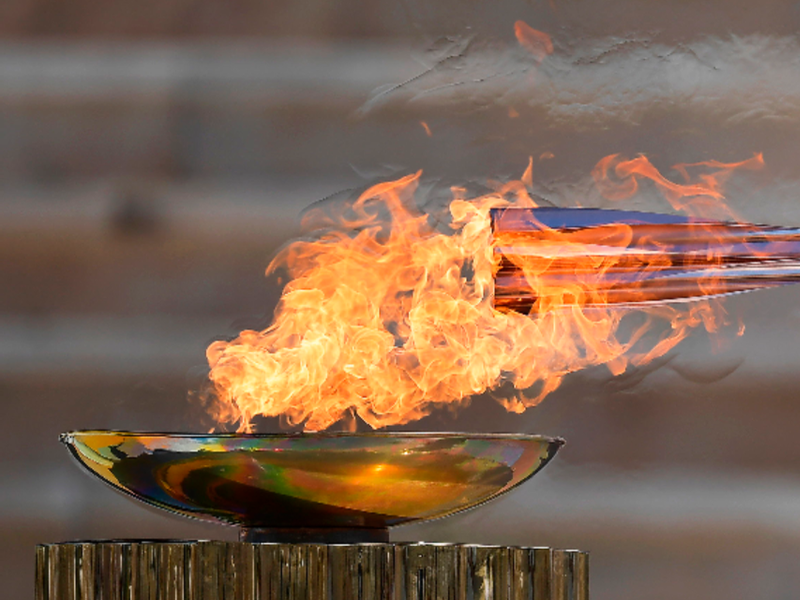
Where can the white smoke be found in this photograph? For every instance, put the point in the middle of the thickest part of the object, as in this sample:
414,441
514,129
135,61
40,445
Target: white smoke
749,79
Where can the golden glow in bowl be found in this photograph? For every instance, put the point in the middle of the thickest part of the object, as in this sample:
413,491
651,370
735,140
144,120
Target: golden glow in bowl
318,480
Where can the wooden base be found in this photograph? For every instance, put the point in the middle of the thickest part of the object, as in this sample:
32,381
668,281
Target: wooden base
194,570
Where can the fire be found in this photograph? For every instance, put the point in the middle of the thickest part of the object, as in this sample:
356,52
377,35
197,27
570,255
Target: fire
386,317
538,43
699,196
611,258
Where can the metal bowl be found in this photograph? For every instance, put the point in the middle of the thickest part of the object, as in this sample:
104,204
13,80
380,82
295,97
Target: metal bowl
312,481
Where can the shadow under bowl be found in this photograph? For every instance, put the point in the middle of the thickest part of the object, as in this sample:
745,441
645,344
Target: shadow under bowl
317,481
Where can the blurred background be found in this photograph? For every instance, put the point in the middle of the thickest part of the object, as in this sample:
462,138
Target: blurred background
153,155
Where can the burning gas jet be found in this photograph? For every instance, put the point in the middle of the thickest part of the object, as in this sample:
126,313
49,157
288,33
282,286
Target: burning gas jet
386,317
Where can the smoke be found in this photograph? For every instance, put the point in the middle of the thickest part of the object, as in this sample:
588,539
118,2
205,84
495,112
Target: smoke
750,79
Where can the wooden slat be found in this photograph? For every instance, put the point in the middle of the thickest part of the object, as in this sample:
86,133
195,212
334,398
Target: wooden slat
245,571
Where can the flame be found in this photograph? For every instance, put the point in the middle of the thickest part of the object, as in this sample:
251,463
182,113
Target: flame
538,43
704,191
386,317
618,263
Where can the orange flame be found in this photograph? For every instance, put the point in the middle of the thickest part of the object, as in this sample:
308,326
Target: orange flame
538,43
387,318
704,191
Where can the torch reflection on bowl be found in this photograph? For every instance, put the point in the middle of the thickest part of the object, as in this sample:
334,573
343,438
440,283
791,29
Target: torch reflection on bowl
320,481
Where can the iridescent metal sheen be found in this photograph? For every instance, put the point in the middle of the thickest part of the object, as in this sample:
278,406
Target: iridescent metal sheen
320,480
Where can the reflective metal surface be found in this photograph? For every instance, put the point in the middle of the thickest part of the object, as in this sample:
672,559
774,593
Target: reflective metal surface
624,258
321,480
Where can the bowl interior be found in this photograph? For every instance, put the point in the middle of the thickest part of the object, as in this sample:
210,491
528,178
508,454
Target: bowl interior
312,480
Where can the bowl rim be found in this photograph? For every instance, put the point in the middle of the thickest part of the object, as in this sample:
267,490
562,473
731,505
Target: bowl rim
69,436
